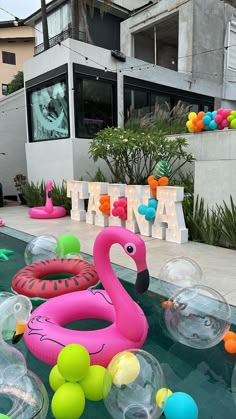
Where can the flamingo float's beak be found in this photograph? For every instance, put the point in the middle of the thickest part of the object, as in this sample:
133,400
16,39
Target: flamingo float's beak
142,281
20,328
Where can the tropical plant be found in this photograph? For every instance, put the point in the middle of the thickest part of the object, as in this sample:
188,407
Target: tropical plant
228,219
169,120
16,83
131,156
20,181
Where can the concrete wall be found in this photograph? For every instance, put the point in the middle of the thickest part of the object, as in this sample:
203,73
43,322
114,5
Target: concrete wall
12,140
215,166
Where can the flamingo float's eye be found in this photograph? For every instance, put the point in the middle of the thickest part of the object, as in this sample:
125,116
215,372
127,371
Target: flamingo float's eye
130,248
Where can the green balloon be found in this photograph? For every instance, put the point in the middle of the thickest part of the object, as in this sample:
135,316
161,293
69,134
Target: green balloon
230,118
69,243
233,123
68,402
2,416
94,382
73,362
55,379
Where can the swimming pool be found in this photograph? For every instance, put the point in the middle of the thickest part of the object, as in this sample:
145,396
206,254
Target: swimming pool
207,375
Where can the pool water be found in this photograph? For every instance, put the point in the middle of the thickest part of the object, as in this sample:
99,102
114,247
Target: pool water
205,374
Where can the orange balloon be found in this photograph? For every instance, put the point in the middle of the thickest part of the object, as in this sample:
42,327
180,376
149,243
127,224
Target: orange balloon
201,115
195,121
230,346
200,125
154,184
197,129
230,335
151,177
163,181
102,199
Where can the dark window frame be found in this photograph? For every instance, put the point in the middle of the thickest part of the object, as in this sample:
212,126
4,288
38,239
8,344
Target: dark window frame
40,82
174,94
8,57
81,73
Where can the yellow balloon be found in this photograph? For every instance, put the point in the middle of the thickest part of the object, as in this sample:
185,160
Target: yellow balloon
162,395
124,368
192,115
189,124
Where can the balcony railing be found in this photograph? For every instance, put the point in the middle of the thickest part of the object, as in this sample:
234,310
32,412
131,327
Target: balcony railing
59,38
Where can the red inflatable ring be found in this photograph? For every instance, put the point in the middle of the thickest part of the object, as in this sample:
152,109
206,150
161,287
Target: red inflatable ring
32,280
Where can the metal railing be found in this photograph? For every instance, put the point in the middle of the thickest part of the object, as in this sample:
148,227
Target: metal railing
80,36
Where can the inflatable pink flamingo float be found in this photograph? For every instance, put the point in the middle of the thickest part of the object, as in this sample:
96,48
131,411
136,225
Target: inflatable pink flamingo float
45,335
48,211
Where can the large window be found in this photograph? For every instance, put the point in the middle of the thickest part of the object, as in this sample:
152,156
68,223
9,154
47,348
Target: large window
143,98
48,110
95,103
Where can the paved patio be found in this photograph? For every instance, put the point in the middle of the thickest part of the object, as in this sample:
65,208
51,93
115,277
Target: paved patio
218,264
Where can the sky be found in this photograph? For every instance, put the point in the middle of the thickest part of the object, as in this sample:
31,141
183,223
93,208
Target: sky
19,8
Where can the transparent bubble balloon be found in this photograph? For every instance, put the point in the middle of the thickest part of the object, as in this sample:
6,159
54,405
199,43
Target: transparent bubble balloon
179,272
73,255
198,317
42,248
135,379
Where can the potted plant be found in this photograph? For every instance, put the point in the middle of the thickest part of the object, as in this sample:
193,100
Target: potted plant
20,181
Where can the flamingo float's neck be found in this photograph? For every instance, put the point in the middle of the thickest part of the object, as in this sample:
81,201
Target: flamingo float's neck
49,204
129,317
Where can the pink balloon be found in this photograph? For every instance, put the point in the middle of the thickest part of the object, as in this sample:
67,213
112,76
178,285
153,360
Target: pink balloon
225,113
220,127
225,123
218,118
114,212
220,111
123,202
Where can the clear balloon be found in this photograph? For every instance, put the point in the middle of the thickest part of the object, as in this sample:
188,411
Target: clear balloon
42,248
198,317
179,272
136,378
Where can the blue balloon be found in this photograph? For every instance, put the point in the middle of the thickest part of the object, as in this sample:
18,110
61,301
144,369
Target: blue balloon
150,214
142,209
207,128
152,203
209,114
180,406
213,125
206,119
214,114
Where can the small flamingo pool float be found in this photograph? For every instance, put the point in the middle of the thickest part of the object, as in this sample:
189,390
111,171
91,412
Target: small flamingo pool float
48,211
45,335
39,280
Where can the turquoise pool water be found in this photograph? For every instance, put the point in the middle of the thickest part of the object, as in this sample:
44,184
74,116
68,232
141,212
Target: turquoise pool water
207,375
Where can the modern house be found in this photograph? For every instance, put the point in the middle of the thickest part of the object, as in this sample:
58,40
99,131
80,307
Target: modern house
171,51
16,46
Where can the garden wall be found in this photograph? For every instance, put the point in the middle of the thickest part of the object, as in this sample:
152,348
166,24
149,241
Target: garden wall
215,165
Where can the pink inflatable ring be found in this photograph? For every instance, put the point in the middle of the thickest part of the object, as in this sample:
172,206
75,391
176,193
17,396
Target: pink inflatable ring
32,280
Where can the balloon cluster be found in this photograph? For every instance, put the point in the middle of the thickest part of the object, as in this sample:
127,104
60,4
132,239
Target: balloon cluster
105,205
149,211
73,380
210,121
120,209
160,176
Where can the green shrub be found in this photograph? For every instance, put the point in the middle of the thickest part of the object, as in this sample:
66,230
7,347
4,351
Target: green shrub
131,156
228,219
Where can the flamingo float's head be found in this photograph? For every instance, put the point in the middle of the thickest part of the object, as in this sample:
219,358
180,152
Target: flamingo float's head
133,246
49,186
21,310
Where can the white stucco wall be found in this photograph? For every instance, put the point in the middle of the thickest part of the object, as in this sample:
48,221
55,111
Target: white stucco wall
12,140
